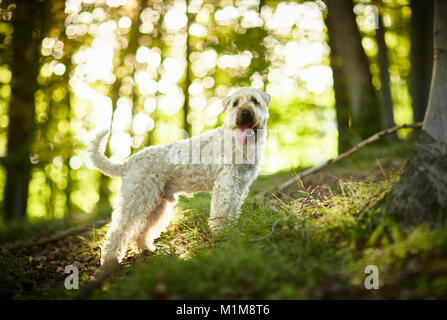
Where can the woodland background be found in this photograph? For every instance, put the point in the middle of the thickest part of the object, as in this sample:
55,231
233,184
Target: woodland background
161,67
154,71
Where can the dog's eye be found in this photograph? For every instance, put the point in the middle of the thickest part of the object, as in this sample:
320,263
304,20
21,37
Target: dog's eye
236,103
253,100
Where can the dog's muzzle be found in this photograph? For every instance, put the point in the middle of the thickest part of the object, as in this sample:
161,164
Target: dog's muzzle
245,117
245,121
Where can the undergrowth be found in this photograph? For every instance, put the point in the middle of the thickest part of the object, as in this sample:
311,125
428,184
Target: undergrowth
312,242
316,245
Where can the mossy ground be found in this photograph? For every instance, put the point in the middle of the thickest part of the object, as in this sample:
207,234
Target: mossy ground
312,242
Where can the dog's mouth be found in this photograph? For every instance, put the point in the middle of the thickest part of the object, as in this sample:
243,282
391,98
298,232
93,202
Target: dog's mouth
245,131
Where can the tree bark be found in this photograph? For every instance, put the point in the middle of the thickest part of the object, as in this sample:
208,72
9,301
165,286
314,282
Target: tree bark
421,193
421,55
387,100
27,36
345,139
364,103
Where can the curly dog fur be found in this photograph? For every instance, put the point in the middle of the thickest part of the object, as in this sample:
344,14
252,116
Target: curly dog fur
223,161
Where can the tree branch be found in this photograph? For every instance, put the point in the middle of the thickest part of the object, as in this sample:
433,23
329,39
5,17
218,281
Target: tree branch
346,154
97,280
57,236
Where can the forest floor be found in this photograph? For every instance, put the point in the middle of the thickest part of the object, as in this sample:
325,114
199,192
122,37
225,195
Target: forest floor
311,242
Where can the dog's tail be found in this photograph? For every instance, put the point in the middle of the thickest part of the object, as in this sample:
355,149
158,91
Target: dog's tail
98,159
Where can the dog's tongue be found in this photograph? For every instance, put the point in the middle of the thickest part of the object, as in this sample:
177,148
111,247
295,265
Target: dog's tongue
241,135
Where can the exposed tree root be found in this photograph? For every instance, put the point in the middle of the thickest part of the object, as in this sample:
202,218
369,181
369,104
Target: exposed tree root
97,280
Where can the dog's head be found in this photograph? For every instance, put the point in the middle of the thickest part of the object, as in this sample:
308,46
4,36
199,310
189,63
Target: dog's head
247,109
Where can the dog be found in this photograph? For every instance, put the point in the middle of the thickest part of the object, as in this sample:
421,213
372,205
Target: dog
223,161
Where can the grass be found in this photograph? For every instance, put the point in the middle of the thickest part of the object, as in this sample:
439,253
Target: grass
314,242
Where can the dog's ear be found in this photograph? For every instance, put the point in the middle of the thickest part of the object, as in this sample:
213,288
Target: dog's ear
226,101
265,96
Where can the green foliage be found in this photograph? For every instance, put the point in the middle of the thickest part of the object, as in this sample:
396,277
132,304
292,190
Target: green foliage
306,246
301,245
323,246
396,16
302,122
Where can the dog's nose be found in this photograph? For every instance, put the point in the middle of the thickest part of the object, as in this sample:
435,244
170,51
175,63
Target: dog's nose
246,116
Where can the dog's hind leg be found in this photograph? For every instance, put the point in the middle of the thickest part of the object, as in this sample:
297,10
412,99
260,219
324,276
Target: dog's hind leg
156,222
135,202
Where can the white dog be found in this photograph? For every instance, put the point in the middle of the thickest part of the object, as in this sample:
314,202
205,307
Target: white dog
223,161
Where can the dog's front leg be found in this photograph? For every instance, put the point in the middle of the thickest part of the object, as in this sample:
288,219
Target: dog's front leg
228,194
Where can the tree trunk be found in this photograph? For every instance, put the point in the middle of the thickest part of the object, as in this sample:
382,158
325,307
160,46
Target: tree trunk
387,100
364,104
27,36
104,181
421,193
345,139
187,81
421,55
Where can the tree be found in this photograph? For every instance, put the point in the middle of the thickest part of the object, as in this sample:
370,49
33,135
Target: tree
28,19
364,104
421,193
345,138
382,57
421,55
